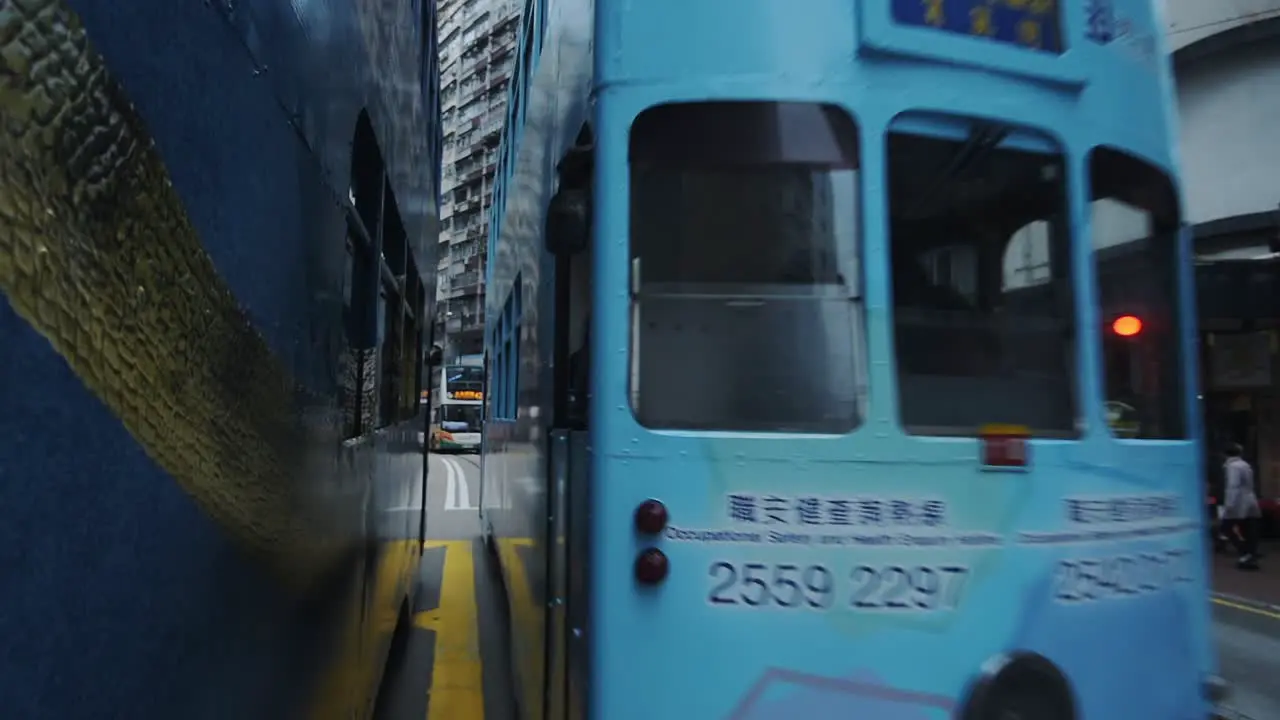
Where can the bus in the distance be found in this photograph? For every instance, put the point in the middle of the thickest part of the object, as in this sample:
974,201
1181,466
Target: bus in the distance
846,346
456,419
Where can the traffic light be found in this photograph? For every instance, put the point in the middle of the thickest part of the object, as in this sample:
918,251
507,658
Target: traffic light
1126,325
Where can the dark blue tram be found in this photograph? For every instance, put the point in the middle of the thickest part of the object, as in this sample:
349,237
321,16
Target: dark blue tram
218,226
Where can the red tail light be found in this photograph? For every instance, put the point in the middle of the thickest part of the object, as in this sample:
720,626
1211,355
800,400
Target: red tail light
651,517
651,566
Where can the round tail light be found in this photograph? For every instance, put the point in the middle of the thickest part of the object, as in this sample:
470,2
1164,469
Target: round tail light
652,566
651,517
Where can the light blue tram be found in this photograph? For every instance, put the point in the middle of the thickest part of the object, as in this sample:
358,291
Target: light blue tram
840,364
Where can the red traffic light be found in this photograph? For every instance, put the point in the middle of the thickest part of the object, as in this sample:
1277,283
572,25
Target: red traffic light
1126,325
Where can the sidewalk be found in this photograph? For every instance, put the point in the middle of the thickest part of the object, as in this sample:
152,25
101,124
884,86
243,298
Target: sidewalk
1260,587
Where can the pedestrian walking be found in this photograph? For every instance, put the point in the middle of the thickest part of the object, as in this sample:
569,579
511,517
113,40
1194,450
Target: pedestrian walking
1240,510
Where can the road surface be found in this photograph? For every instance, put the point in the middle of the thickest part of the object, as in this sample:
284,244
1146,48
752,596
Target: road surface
1249,658
457,620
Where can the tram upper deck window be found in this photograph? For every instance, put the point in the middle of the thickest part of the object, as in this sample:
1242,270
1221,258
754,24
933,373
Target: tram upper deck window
984,320
745,271
1135,250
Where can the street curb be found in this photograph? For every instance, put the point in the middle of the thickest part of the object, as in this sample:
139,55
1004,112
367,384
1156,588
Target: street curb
1238,600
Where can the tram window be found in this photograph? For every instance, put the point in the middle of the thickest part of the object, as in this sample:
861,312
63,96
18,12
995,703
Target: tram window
415,395
983,313
517,329
361,287
392,317
411,344
1135,222
746,279
423,318
506,339
394,243
356,309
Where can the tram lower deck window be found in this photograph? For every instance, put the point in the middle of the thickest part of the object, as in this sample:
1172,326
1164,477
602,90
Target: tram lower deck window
746,278
1135,223
983,311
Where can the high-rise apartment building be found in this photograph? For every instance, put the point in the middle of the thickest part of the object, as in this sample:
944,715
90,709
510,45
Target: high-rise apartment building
477,57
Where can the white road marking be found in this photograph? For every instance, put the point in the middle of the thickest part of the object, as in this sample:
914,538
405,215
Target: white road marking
457,492
464,487
450,486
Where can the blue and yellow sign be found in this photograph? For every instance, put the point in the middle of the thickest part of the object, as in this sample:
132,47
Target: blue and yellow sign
1033,24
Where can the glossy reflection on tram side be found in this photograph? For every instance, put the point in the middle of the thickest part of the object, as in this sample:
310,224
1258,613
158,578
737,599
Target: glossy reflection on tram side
806,396
217,251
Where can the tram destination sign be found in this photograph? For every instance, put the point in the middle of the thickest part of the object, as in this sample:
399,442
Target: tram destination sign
1030,24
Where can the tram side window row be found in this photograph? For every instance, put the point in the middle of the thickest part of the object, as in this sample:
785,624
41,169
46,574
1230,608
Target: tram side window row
746,300
384,301
984,293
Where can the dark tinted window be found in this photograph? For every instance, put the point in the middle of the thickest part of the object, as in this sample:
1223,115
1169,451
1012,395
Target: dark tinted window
464,375
982,290
746,268
1135,223
460,418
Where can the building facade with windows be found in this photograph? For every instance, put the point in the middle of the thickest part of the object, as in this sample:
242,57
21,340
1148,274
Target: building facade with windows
477,56
1227,63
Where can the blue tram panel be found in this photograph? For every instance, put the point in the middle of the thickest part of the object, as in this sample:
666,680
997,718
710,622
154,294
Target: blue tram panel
856,344
209,346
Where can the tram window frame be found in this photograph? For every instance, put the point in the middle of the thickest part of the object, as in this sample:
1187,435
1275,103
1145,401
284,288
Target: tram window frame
421,325
364,217
395,241
395,320
388,349
506,341
532,42
517,331
699,307
358,291
1013,347
1149,289
411,340
498,384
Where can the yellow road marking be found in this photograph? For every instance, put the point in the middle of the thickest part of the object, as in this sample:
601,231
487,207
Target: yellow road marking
457,686
1247,608
528,638
351,682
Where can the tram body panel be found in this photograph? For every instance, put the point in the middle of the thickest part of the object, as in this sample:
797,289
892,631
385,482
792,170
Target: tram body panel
769,652
516,462
192,536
